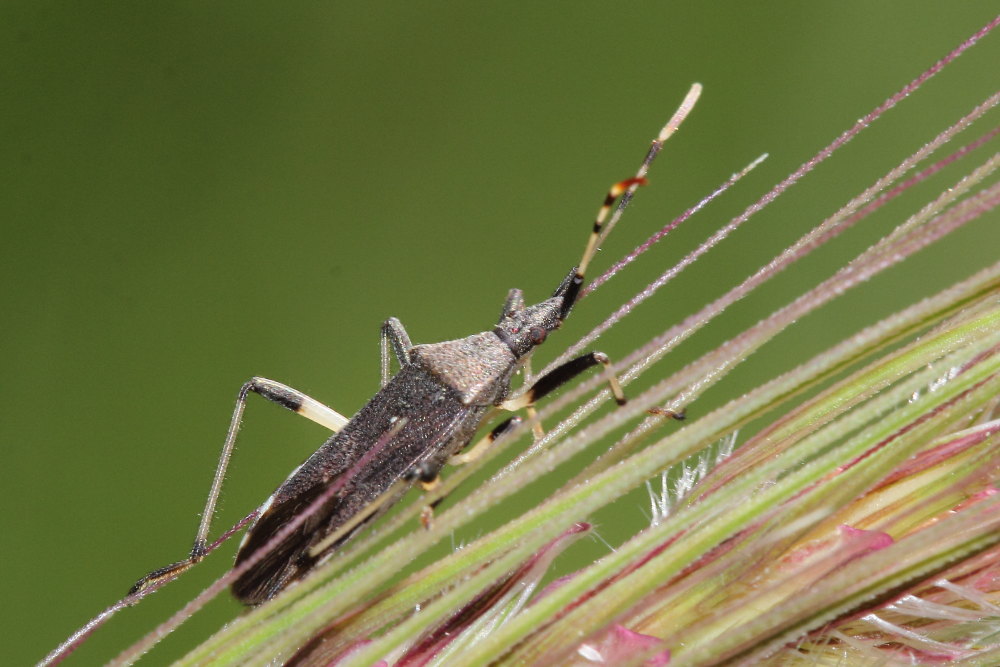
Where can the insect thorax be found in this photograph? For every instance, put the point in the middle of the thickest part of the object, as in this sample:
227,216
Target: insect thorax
478,367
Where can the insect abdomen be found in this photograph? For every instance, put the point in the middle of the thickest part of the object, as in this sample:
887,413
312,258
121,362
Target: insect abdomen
437,425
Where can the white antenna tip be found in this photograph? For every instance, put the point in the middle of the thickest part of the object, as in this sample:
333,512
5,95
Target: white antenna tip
682,111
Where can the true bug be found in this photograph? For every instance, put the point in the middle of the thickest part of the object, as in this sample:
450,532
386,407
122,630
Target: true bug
420,418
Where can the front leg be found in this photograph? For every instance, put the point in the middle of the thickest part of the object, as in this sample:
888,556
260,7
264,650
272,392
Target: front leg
563,374
545,385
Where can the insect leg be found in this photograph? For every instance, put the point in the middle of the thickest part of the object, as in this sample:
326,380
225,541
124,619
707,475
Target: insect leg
477,450
275,392
679,415
559,376
513,305
294,400
545,385
393,333
423,473
429,480
563,374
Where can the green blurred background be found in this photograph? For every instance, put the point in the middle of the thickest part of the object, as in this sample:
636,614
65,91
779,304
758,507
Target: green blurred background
195,193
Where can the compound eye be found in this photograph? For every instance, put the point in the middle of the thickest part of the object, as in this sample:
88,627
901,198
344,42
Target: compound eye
537,335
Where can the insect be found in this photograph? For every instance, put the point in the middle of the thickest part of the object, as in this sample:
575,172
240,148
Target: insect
420,419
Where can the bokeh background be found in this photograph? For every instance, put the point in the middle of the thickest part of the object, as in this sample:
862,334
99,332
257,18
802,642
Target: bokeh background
194,193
